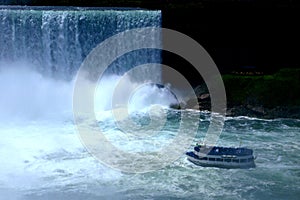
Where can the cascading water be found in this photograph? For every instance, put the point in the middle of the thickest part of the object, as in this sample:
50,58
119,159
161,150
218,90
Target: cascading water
41,156
42,47
57,41
41,50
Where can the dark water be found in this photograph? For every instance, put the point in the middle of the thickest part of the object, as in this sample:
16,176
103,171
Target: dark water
55,41
41,154
45,160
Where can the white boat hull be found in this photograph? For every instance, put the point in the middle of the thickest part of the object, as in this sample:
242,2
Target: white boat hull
221,164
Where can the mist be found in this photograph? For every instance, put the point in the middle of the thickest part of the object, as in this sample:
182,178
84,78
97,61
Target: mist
26,94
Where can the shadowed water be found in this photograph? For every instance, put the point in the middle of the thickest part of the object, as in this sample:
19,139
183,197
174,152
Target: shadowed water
45,160
41,154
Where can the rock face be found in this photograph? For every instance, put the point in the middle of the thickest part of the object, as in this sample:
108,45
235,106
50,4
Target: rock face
202,103
268,96
202,100
265,113
246,111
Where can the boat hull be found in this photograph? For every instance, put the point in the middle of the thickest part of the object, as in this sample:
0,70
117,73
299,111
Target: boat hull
226,165
222,157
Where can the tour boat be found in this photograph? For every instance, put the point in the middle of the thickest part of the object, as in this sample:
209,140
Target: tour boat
222,157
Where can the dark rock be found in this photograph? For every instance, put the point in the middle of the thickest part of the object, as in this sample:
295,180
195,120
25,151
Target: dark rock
175,106
265,113
200,90
204,96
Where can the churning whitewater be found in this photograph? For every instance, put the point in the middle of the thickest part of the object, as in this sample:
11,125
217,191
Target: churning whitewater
42,156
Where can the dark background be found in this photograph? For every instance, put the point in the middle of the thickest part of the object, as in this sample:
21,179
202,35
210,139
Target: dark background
255,44
238,34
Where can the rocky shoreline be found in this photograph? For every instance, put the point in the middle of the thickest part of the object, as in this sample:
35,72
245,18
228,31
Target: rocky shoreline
203,104
267,96
264,113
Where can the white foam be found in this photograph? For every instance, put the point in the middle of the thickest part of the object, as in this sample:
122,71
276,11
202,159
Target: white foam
26,94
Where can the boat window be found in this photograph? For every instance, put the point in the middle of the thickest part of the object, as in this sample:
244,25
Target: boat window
227,159
219,159
235,160
203,158
212,159
243,160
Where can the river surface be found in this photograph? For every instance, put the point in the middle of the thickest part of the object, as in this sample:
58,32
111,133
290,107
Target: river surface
42,155
45,159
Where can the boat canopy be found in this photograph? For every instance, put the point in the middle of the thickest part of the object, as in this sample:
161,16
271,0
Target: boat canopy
226,150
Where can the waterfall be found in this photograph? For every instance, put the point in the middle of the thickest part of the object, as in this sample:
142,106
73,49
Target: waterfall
56,40
42,48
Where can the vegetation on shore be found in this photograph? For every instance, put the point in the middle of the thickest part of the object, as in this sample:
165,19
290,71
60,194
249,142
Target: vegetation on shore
279,89
267,96
264,96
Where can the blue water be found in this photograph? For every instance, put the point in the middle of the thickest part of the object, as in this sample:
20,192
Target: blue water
56,40
41,154
46,160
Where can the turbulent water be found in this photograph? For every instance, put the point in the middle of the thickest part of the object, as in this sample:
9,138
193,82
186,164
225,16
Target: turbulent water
57,40
46,160
42,156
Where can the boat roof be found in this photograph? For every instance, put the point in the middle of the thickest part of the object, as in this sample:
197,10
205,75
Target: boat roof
240,151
